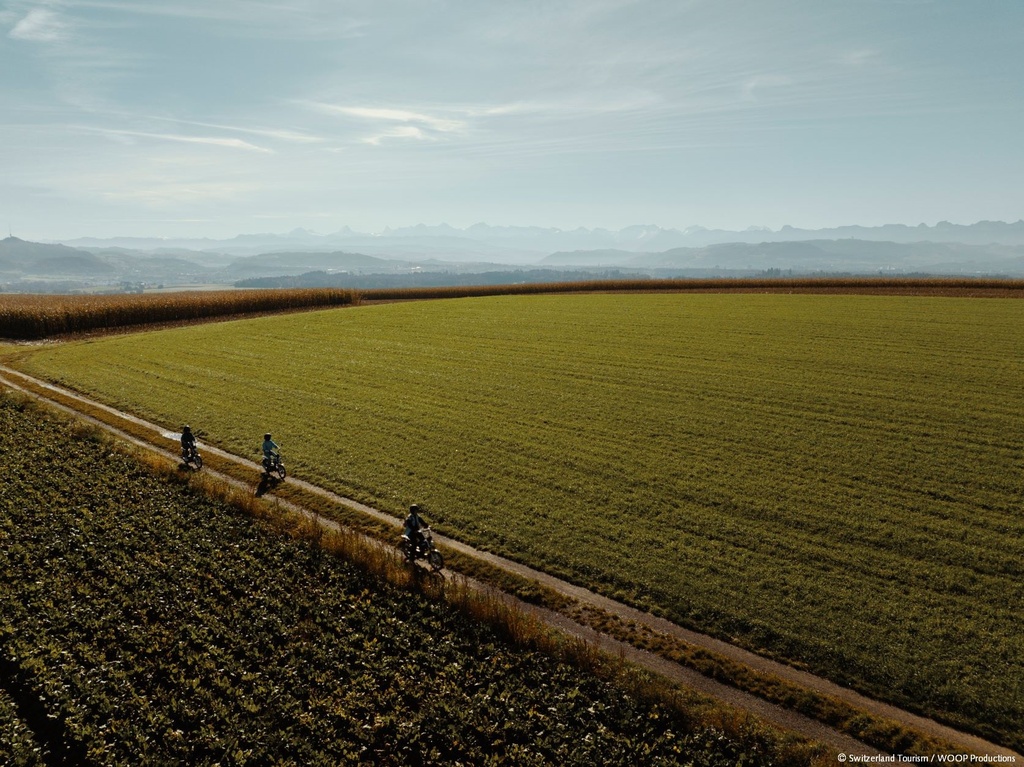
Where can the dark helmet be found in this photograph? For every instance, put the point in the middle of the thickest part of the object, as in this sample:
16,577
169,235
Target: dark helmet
414,509
186,429
267,435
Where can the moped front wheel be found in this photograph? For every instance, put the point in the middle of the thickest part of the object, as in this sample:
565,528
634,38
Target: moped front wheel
435,560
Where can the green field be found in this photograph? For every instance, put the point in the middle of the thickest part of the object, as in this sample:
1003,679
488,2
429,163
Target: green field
143,624
831,479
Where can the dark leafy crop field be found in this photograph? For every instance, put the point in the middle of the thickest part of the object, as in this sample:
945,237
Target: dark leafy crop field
17,746
141,623
831,479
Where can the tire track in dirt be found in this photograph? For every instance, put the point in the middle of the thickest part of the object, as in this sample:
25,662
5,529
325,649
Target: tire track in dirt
777,715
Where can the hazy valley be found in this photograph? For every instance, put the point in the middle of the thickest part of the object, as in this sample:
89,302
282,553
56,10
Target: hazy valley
444,255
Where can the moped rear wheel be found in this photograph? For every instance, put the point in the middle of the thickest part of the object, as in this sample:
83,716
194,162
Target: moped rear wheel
403,546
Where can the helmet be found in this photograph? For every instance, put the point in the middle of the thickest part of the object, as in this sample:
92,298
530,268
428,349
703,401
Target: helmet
414,509
267,435
186,429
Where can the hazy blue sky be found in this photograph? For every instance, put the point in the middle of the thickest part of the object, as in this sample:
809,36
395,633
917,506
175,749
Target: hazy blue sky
215,117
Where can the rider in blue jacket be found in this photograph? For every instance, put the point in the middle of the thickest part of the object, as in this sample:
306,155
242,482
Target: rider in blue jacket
269,448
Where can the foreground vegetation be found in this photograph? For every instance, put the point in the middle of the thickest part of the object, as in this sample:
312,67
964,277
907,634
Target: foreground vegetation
142,623
832,480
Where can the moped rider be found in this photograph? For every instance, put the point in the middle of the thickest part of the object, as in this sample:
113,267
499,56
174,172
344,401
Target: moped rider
270,449
188,441
414,527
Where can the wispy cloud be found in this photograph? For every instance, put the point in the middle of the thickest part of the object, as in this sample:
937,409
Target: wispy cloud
40,25
384,123
860,57
294,18
573,104
753,86
405,131
386,115
71,60
272,133
228,143
467,121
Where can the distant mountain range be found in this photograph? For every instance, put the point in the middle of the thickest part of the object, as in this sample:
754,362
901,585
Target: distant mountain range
855,256
20,257
986,248
526,244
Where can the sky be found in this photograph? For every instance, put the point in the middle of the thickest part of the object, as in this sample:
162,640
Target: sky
211,118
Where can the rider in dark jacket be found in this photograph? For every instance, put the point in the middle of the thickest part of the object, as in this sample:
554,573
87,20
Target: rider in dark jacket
188,440
413,527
